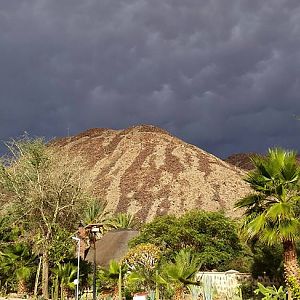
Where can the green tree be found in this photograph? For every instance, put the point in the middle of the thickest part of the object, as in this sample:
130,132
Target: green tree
142,262
45,192
8,233
62,247
267,260
272,210
211,234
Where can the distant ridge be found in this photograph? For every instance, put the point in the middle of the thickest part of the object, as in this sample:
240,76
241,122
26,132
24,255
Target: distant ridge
243,160
146,171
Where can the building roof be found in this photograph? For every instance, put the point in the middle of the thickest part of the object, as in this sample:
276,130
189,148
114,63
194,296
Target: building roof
113,245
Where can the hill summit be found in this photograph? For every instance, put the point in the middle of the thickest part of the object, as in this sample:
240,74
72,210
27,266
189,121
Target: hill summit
146,171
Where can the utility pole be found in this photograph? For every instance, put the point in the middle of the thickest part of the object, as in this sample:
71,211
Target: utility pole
78,264
94,231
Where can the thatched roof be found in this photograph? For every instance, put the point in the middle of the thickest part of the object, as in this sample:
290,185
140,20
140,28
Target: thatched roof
113,245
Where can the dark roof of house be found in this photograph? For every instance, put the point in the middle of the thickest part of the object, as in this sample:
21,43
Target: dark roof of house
113,245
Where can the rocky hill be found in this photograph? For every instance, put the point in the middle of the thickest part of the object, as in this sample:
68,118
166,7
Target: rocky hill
148,172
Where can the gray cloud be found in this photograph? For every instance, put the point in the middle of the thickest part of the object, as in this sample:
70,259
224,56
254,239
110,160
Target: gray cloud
224,75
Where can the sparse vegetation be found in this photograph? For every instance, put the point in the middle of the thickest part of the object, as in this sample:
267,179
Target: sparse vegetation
45,192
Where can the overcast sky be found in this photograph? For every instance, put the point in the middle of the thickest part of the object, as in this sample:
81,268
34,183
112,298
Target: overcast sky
221,74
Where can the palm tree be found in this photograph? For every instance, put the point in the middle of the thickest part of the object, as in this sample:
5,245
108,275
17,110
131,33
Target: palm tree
272,210
95,213
65,273
122,221
18,260
181,272
112,276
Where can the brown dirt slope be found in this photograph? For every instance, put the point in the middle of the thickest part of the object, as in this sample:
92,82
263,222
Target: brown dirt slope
147,172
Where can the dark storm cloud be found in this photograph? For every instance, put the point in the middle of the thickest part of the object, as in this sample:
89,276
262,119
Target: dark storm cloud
224,75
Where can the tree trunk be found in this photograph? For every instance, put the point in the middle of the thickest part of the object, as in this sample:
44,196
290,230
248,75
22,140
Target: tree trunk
291,267
22,287
45,275
115,295
36,283
178,295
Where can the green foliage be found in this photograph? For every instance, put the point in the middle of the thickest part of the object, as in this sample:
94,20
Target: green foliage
211,234
17,263
65,274
62,246
178,273
271,293
247,290
112,272
122,221
9,235
144,256
181,270
8,232
158,232
272,210
267,260
295,288
111,278
142,262
95,212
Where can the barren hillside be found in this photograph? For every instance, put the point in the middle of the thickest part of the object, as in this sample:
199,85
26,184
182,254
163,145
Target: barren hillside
146,171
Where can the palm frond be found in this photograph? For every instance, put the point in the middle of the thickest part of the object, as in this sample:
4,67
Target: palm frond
183,268
256,225
280,211
122,221
95,212
271,210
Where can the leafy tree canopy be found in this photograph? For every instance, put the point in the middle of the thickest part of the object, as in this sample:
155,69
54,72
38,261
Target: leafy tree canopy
211,234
